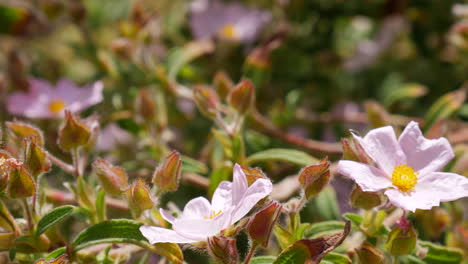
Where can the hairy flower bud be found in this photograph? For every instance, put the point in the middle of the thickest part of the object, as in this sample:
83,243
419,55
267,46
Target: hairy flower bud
167,175
145,105
352,150
314,178
63,259
242,97
20,182
20,130
113,179
35,158
369,254
401,241
253,174
223,250
260,225
365,200
139,197
74,133
207,100
222,84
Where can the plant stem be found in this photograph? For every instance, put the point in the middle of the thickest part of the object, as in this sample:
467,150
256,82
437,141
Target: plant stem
62,164
76,162
251,253
28,214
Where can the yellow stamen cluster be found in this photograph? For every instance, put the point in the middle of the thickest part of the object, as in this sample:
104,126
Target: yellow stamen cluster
404,177
55,106
229,31
213,214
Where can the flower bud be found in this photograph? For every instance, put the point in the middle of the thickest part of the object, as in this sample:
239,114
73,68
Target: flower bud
167,175
20,182
207,100
113,179
145,105
242,97
63,259
74,133
139,197
365,200
20,130
369,254
314,178
401,241
122,47
35,158
373,222
253,174
222,84
433,221
352,150
222,249
261,224
376,114
5,168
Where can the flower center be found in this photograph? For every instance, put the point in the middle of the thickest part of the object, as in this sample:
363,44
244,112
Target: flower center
213,214
55,106
404,177
229,31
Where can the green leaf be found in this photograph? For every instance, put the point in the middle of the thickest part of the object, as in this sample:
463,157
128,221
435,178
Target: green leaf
54,217
444,107
218,175
193,166
56,253
179,57
294,156
325,205
335,258
410,260
263,260
357,221
324,228
437,254
101,205
124,231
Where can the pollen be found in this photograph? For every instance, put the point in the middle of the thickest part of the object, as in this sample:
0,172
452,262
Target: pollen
213,214
55,106
229,31
404,177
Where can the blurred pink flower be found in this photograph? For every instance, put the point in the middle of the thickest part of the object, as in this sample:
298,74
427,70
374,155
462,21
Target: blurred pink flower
229,21
45,101
202,219
111,136
407,169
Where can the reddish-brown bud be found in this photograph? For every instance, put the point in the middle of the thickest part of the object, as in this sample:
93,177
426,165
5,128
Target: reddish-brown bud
223,250
113,179
253,174
5,168
63,259
21,130
365,200
74,133
401,241
261,224
207,100
167,175
35,158
242,97
123,47
223,84
369,254
20,182
314,178
139,197
352,150
145,105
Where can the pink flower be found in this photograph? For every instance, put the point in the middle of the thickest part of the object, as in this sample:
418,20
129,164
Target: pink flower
202,219
112,136
229,21
407,169
45,101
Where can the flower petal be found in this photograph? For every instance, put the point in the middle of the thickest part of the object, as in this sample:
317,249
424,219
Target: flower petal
239,184
422,154
199,229
156,234
167,215
87,96
369,178
382,146
222,197
257,191
430,191
197,208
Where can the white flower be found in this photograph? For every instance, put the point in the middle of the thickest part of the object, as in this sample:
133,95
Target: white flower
407,168
202,219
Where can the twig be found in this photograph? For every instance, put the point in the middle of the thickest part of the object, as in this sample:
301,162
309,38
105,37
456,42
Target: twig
311,145
63,197
62,164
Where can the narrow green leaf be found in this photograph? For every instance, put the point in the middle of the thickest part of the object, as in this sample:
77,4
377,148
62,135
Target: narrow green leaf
101,205
294,156
437,254
54,217
193,166
56,253
357,221
324,228
444,107
263,260
179,57
325,205
336,258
